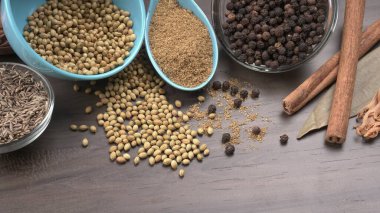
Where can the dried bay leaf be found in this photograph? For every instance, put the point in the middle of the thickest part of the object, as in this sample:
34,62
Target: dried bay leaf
366,85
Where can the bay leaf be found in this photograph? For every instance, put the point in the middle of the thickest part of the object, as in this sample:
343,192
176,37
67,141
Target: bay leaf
366,85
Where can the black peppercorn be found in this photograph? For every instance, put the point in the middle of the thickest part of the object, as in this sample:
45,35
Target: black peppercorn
211,109
216,85
255,93
234,90
256,130
226,137
229,150
243,94
237,103
225,86
284,139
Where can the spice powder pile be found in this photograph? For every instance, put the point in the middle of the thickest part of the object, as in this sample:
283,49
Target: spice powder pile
181,44
23,104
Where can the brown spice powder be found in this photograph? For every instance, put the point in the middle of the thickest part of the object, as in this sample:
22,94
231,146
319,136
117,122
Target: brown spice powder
181,44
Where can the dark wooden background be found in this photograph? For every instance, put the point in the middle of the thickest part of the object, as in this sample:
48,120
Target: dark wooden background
55,174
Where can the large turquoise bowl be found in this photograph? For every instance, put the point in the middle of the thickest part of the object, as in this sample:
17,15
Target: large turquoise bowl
14,15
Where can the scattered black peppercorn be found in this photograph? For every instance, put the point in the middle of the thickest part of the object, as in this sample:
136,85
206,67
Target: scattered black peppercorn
284,139
234,90
211,109
237,103
274,32
230,149
255,93
226,137
225,86
216,85
243,94
256,130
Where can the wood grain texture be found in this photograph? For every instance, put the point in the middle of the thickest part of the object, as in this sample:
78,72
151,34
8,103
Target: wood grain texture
55,174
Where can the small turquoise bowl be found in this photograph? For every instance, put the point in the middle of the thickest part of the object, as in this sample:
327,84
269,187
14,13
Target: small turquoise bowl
192,6
14,15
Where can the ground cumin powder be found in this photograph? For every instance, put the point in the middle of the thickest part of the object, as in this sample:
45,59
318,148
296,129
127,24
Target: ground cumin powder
181,44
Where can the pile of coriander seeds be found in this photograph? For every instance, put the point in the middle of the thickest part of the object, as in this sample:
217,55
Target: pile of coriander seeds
82,37
138,115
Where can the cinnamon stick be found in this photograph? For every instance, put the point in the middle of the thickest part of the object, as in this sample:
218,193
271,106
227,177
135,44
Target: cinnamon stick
348,61
327,73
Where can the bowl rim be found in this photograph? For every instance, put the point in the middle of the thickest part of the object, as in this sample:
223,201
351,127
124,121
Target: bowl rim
286,68
40,128
66,74
215,49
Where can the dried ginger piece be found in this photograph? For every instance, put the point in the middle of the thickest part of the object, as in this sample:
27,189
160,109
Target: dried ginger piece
370,115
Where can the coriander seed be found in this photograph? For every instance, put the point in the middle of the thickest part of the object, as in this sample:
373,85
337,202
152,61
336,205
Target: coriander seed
181,173
73,127
85,142
88,109
201,99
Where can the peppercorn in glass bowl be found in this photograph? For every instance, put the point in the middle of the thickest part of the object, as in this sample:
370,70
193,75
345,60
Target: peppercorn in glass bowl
44,121
273,36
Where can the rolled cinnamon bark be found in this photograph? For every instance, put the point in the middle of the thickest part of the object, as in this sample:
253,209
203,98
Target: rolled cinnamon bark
349,56
327,73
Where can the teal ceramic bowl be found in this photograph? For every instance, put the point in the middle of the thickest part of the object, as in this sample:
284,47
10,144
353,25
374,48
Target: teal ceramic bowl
192,6
14,15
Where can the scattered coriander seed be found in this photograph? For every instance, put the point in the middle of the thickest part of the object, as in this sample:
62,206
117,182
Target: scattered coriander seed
256,130
206,152
210,131
73,127
83,128
225,86
226,137
201,98
199,157
92,83
152,161
178,104
181,173
243,94
237,103
126,156
255,93
88,90
76,87
113,156
185,162
136,161
212,116
216,85
200,131
167,161
93,129
234,90
284,139
211,109
121,160
174,164
88,109
230,149
85,142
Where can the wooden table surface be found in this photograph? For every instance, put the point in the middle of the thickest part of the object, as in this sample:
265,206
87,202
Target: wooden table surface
55,174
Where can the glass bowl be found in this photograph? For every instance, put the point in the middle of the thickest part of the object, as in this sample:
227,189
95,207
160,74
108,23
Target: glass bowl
40,128
218,18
